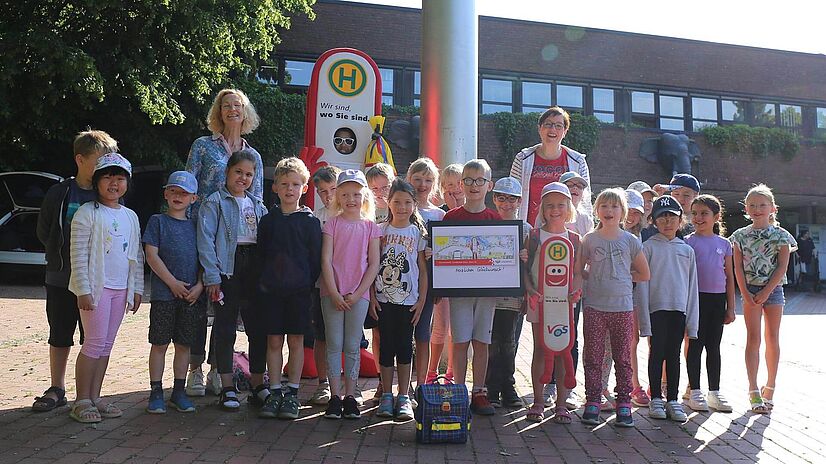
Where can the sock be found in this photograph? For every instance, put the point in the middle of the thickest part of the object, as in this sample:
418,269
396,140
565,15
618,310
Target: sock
276,389
292,388
178,385
477,390
155,385
323,381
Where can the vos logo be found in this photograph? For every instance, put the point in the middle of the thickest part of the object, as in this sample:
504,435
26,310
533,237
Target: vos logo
558,330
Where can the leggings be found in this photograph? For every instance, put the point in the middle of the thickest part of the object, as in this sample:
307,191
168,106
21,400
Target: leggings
102,323
712,314
502,350
238,294
667,331
343,330
396,330
598,325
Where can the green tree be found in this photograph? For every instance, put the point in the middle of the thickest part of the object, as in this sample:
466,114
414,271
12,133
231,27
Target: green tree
144,70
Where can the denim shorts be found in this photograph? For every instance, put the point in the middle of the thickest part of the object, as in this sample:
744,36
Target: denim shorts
775,298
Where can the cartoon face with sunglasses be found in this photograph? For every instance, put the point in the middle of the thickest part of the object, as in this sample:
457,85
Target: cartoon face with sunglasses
344,140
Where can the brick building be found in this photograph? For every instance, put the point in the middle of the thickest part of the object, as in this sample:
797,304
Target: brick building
644,84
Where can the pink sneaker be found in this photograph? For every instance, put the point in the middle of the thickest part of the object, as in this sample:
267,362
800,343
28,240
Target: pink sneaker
449,375
431,376
640,398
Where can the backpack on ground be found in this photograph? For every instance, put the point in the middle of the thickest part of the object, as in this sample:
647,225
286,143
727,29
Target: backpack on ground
443,414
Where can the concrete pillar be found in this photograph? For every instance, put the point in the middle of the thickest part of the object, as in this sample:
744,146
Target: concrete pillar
450,67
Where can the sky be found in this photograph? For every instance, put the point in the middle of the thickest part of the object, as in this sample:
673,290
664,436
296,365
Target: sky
795,25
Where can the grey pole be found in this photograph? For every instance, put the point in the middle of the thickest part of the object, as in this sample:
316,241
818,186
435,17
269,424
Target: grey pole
450,67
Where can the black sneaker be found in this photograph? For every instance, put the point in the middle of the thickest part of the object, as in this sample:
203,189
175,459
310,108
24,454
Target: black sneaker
259,396
271,408
351,408
511,399
333,408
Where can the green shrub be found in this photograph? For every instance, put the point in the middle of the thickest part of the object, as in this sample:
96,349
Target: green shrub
758,141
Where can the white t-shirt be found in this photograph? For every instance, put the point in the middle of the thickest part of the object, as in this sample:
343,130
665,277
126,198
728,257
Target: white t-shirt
322,213
116,237
431,213
583,223
247,222
398,279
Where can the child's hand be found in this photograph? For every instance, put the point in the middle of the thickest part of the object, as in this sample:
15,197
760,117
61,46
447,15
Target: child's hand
660,189
748,299
137,303
729,316
428,253
350,299
85,303
339,302
213,291
761,296
374,309
416,309
194,293
179,289
523,255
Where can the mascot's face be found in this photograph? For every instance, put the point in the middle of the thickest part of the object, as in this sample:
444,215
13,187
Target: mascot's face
556,275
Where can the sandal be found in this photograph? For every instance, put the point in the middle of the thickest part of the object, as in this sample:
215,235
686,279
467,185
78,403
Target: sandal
769,402
85,412
44,403
758,406
562,416
536,413
108,410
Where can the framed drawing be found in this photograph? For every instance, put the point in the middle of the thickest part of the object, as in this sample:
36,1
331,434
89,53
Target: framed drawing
479,258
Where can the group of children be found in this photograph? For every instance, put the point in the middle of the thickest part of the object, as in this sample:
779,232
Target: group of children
359,261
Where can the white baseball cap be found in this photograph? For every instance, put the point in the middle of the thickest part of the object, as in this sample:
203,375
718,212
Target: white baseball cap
351,175
635,200
508,186
557,187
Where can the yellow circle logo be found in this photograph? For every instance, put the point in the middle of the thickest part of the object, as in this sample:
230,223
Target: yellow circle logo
441,241
557,251
347,78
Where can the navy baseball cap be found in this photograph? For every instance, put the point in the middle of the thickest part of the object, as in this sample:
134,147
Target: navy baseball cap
666,204
685,180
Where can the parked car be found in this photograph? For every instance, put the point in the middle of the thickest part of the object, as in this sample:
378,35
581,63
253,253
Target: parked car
20,198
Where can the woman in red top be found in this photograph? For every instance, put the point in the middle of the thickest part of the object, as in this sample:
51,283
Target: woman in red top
546,161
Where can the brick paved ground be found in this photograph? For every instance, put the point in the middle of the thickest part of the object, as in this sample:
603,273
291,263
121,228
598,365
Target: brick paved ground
795,432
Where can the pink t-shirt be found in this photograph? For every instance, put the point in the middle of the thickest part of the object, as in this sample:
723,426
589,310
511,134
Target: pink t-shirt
351,240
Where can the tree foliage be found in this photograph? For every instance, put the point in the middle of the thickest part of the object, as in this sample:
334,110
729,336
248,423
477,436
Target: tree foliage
145,71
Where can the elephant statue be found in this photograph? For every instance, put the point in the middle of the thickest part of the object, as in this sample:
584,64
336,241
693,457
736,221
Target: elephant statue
674,152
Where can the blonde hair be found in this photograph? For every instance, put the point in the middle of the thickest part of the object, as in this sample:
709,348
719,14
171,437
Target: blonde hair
764,190
425,164
380,170
94,142
571,217
216,124
615,196
479,165
291,164
450,170
368,203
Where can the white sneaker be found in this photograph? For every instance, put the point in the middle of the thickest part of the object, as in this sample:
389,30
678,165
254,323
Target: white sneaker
549,395
656,409
697,401
674,411
572,401
322,394
195,383
718,402
358,396
213,382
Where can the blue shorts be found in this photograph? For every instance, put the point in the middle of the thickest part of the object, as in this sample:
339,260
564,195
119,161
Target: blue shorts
775,298
422,331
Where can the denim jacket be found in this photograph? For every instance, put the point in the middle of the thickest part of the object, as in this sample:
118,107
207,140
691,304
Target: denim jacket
218,221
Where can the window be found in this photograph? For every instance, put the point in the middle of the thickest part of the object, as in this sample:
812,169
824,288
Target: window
671,113
569,96
764,114
733,111
497,96
298,73
703,113
604,104
536,97
386,85
642,109
820,123
267,75
417,88
791,117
